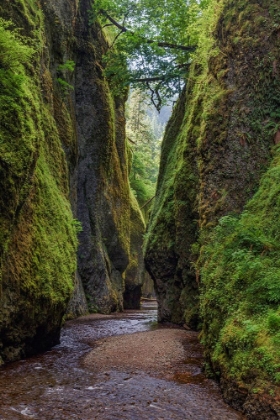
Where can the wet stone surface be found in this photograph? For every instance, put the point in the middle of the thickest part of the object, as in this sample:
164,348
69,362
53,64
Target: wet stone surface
57,385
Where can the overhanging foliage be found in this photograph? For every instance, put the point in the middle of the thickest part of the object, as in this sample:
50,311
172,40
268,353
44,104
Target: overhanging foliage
151,44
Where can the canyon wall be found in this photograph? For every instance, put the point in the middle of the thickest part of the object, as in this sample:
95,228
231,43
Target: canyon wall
64,173
212,246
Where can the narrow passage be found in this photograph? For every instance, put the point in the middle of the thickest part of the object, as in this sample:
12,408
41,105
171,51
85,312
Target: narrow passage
118,366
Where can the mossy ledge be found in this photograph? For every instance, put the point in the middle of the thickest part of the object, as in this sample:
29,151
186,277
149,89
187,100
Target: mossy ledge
63,157
215,217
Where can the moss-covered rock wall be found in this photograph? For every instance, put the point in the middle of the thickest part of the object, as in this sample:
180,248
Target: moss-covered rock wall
38,235
218,146
172,226
102,188
62,157
134,274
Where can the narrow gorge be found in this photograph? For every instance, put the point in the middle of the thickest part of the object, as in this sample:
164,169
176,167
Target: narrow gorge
73,234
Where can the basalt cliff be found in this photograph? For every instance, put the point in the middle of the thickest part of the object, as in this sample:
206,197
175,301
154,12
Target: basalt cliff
213,236
63,174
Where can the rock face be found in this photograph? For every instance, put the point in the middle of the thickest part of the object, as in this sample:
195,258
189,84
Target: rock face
63,157
38,235
134,275
217,148
103,190
172,227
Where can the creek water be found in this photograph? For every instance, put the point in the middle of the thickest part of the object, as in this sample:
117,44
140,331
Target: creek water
56,385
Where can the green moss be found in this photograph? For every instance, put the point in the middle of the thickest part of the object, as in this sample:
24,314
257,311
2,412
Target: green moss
173,214
173,226
241,274
239,260
37,231
214,153
135,269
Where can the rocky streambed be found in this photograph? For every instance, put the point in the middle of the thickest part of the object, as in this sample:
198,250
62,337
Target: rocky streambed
114,367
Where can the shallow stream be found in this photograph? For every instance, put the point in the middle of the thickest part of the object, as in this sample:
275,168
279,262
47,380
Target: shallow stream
55,385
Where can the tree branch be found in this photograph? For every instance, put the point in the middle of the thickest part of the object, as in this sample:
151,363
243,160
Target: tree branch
155,93
147,202
113,21
107,24
116,37
123,29
163,77
150,79
131,141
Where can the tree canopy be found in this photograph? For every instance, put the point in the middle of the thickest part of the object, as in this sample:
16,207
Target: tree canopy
151,43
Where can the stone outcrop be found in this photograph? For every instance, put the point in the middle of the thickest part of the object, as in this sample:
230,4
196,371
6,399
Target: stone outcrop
63,166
